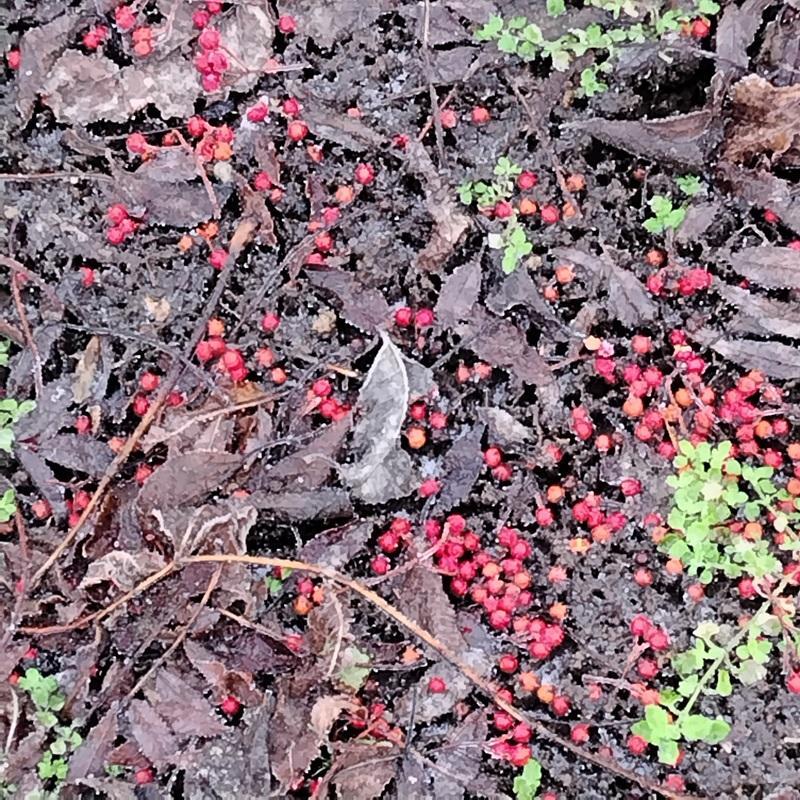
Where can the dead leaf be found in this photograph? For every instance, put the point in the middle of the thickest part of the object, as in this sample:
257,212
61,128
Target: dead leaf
760,315
121,569
774,359
459,293
319,504
81,89
629,301
503,344
157,307
233,765
458,761
168,188
681,140
307,467
298,745
381,470
152,734
449,222
765,119
184,708
363,770
327,710
768,265
504,429
462,464
187,477
325,23
80,452
420,595
764,190
40,48
335,547
224,681
248,35
90,756
326,122
43,478
365,308
85,370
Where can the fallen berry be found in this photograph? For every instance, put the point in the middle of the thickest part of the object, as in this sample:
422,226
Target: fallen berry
230,706
437,685
365,174
287,24
480,115
403,317
297,130
270,322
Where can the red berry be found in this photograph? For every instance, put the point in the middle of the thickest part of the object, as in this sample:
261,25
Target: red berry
403,317
438,421
140,405
270,322
41,509
117,213
437,685
148,382
771,217
424,318
291,107
630,487
550,214
365,174
380,565
527,180
145,775
297,130
287,24
13,59
83,424
124,17
641,626
218,258
579,733
560,705
503,209
700,28
322,387
492,457
258,113
508,663
480,115
196,126
658,639
793,682
200,19
209,39
230,706
637,745
448,118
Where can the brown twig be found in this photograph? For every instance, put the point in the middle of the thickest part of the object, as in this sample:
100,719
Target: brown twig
16,266
483,684
212,585
426,61
23,177
202,174
26,332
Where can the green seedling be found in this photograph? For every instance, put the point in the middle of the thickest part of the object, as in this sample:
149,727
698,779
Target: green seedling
665,215
48,700
526,784
712,490
690,185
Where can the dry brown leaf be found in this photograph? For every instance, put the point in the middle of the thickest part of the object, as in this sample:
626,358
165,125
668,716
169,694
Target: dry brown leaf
90,757
85,371
157,307
152,734
363,770
768,265
224,681
365,308
765,119
123,570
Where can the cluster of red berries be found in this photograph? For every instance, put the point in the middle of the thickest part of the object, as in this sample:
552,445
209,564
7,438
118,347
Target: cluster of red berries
589,512
419,412
391,541
320,398
309,595
211,62
122,225
216,143
75,505
480,371
142,37
95,36
421,318
376,721
203,16
501,469
148,383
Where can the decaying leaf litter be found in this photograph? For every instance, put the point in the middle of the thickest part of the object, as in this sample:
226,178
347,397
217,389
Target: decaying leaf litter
147,640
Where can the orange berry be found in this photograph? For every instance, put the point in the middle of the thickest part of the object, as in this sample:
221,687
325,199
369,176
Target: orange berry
683,398
185,243
575,183
529,681
555,493
753,531
633,406
527,207
674,566
564,274
416,438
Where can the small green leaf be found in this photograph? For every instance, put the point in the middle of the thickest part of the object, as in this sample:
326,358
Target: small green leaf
526,784
490,30
723,685
555,8
507,43
695,727
719,731
668,753
352,671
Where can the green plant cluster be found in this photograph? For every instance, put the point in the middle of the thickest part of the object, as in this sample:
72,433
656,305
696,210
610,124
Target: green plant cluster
10,413
667,216
512,240
711,489
47,698
519,36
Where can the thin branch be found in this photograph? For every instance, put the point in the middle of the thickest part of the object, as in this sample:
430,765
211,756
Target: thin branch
26,332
